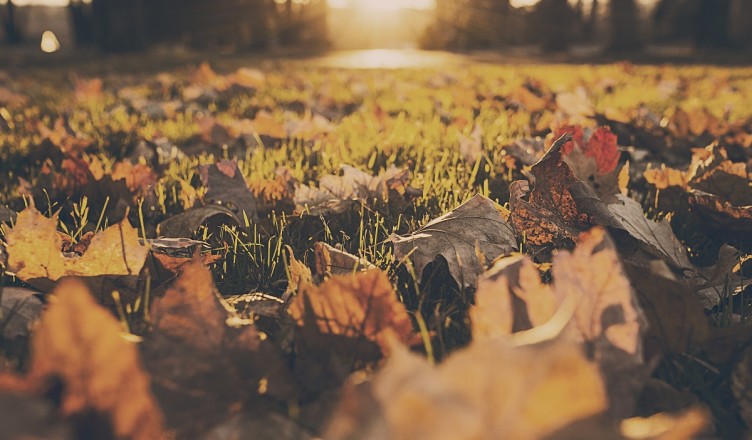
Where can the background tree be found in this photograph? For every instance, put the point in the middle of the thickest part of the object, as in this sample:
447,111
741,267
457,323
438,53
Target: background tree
12,33
554,18
712,23
624,26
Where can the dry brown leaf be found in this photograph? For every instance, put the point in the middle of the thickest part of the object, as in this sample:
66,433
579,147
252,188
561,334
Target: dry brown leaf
333,261
558,207
299,275
466,237
363,305
479,392
34,250
191,311
677,322
337,193
657,237
81,343
511,297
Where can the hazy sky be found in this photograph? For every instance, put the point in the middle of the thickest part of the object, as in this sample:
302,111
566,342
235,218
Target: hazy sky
372,4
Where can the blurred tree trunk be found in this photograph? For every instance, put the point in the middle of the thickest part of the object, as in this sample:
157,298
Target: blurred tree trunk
624,21
12,33
591,25
712,23
555,22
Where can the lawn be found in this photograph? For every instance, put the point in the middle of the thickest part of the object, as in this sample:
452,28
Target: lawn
287,250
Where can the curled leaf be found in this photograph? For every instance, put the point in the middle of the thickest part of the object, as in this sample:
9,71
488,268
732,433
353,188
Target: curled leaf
466,237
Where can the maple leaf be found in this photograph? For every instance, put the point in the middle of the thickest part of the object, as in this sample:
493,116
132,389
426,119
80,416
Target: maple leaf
591,301
558,207
79,341
361,305
538,390
602,146
467,237
34,251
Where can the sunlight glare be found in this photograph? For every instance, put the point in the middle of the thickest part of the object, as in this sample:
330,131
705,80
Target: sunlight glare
49,43
391,5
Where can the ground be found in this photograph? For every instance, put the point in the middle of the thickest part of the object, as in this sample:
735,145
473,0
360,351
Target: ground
565,232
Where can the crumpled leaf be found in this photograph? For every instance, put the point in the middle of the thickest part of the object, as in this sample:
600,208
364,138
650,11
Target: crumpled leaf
687,424
467,237
79,342
333,261
559,206
19,309
227,187
337,193
478,392
362,305
658,237
34,251
591,301
187,222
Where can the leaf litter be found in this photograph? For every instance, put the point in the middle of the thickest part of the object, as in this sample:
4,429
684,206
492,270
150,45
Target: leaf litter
376,255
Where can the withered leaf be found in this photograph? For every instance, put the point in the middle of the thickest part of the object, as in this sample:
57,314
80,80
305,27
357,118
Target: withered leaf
227,187
362,305
466,236
191,311
186,223
590,302
558,207
204,358
511,297
80,342
333,261
657,237
34,251
538,390
677,322
19,309
337,193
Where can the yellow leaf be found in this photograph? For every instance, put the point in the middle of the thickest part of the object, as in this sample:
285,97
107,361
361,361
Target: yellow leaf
34,250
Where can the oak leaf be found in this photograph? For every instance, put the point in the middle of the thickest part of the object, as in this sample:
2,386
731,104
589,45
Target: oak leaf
466,237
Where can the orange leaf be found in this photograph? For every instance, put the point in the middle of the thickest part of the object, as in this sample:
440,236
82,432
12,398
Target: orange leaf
361,305
80,342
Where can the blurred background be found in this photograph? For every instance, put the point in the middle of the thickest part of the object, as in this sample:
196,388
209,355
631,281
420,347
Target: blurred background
311,26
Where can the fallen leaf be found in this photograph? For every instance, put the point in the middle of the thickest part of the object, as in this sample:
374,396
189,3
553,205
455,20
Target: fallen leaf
80,342
187,222
226,186
203,358
591,302
677,322
19,309
688,424
539,389
473,232
34,251
363,305
657,237
558,207
333,261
